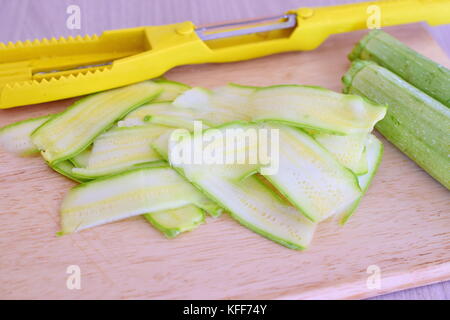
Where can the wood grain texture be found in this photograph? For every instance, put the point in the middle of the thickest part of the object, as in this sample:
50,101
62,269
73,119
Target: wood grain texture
402,224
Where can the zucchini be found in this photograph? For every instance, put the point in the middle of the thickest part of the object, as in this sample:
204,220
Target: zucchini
70,132
171,121
374,149
120,149
303,106
65,168
215,107
254,205
348,150
196,98
210,117
170,89
415,123
423,73
258,208
227,103
175,221
248,200
362,167
15,137
130,193
81,160
138,116
310,177
214,145
315,108
374,153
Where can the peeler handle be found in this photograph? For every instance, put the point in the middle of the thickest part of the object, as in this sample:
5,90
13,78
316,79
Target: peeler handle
321,22
314,25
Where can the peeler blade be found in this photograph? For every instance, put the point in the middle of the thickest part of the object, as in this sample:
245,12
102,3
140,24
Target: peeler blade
228,30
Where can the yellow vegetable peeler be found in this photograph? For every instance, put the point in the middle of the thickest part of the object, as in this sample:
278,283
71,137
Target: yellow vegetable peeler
46,70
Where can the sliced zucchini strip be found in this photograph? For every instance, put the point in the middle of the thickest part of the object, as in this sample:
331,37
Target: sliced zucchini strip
310,177
138,116
170,89
81,160
171,121
65,168
70,132
256,207
215,107
120,149
212,107
248,200
362,167
131,193
303,106
348,149
374,152
15,137
175,221
306,174
315,108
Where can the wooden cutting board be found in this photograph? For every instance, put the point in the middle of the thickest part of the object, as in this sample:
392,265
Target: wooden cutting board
402,226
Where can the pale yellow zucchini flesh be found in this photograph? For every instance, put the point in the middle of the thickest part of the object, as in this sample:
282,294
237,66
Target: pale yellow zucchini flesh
310,177
315,108
170,89
120,149
15,138
348,150
373,154
248,200
175,221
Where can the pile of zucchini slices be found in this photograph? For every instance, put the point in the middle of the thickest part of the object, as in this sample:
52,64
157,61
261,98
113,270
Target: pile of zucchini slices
118,144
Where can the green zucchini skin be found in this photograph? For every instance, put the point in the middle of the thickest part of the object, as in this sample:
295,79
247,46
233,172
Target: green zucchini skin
56,138
415,123
15,137
423,73
127,194
65,168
